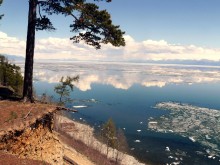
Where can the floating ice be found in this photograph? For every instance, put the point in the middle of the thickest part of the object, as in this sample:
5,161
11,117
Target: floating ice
207,151
175,163
207,137
141,122
210,156
80,118
138,130
199,124
167,149
132,149
79,106
192,139
137,141
152,122
123,128
93,101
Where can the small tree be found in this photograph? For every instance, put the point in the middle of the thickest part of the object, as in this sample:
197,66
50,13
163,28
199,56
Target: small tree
109,134
65,87
121,144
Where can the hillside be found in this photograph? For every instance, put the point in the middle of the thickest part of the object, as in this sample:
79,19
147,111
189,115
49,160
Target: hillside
27,136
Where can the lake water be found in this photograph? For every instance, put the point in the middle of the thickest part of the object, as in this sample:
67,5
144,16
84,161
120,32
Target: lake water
127,93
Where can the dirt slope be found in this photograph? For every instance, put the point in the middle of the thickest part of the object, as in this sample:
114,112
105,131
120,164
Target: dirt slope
27,136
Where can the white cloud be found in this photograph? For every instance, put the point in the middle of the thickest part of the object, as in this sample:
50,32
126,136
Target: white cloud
162,50
63,48
11,45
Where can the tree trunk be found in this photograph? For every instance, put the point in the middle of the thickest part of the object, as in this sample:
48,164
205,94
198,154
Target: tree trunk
29,60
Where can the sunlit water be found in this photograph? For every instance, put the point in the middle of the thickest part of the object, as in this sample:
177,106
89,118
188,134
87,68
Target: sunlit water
127,93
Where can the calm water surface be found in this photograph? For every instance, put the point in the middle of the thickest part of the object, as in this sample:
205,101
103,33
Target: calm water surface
127,93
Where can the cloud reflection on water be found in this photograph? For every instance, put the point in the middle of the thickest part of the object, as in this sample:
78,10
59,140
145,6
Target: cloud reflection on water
123,76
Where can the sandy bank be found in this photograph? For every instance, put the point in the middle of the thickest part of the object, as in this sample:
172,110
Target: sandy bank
86,134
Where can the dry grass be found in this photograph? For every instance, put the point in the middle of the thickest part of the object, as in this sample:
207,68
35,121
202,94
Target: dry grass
18,115
94,155
85,134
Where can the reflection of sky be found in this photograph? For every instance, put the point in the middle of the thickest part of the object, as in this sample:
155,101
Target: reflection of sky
123,76
127,92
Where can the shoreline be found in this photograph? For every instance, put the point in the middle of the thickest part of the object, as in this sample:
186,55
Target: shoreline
85,133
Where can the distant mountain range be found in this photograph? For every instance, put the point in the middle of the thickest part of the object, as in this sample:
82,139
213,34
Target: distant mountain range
14,57
181,62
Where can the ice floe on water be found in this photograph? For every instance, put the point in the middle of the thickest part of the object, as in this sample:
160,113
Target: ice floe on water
93,100
167,149
84,103
80,106
199,124
175,163
89,101
207,137
137,141
138,130
192,139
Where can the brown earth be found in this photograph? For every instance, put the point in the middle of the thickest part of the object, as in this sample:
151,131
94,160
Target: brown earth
26,136
16,118
8,159
18,115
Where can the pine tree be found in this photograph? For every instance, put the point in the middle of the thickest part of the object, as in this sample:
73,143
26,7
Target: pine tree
89,24
64,88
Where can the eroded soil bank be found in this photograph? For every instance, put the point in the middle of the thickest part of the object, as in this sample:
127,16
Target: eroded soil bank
36,142
27,136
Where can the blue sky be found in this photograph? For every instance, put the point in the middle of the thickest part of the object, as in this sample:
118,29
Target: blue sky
155,29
